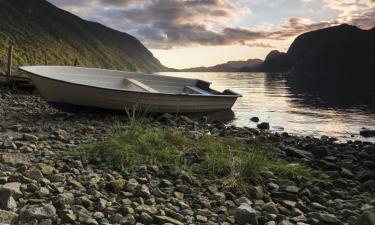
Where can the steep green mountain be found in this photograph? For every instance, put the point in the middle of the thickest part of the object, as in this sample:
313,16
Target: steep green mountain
38,29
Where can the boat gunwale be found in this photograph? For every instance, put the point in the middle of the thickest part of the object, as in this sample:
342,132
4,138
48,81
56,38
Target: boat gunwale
236,95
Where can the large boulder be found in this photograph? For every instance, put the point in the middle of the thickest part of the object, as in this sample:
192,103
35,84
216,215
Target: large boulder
367,133
264,126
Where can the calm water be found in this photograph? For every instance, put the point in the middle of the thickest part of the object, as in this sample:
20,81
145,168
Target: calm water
298,106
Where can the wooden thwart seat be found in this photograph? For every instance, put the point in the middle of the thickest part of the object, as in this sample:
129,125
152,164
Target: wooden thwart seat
195,90
138,84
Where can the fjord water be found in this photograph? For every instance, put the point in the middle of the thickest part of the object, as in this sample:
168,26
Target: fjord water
300,104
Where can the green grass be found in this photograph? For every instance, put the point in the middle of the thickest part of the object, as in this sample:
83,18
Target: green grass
227,158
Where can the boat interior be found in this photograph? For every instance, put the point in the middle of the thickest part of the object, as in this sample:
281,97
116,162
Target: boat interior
120,80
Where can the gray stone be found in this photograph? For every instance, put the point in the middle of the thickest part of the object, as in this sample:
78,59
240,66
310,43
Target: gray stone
144,191
288,204
132,185
46,169
167,220
45,222
328,218
243,200
43,192
128,220
145,218
264,126
285,222
98,215
318,206
75,183
367,218
66,198
346,173
82,213
85,201
300,218
34,173
270,223
219,196
8,142
101,204
294,152
124,220
30,137
14,189
146,208
7,201
367,133
270,207
254,119
91,221
201,219
116,186
213,189
292,189
44,211
7,217
257,192
61,132
69,217
244,214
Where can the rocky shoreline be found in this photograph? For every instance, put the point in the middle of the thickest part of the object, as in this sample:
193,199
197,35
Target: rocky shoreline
41,184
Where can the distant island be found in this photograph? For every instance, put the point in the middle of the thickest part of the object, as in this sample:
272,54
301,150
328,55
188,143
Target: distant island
342,48
231,66
41,32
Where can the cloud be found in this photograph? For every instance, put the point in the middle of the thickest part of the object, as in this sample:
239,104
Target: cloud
164,24
65,3
170,23
295,26
365,20
348,7
123,3
259,45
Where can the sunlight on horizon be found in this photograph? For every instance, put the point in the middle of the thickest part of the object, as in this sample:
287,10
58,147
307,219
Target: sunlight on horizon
187,57
185,34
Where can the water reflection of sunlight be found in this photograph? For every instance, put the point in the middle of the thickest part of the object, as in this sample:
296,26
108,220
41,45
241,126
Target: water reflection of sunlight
268,97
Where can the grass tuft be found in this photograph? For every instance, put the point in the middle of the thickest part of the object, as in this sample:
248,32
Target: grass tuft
229,158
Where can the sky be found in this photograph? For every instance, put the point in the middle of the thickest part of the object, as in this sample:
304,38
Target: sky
191,33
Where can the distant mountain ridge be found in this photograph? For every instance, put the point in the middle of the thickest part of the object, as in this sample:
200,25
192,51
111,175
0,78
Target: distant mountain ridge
231,66
342,48
36,29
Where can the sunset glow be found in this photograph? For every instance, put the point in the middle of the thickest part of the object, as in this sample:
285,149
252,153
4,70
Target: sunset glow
207,32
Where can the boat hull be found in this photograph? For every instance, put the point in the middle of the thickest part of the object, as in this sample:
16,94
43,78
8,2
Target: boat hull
67,96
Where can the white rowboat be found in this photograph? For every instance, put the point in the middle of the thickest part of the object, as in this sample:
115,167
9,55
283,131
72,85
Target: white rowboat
67,88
